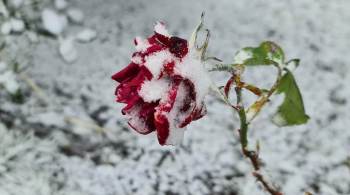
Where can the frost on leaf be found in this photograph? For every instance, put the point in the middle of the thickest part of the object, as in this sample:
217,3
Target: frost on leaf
292,111
267,53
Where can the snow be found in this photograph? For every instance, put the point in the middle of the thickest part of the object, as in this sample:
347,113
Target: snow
3,10
136,59
75,15
16,3
32,36
17,25
3,66
8,80
86,35
13,25
50,158
6,28
67,50
133,117
241,56
279,120
160,28
192,68
176,134
155,61
61,4
141,44
53,22
154,89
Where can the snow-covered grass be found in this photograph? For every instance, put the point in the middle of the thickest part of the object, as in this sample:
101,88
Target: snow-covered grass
57,145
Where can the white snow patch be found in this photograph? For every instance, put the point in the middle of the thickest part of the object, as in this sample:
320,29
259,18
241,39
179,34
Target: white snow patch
6,28
49,118
176,135
86,35
155,62
279,120
136,59
61,4
67,50
193,69
160,28
134,119
53,22
16,3
241,56
3,10
17,25
153,90
32,36
8,80
3,66
291,66
141,44
75,15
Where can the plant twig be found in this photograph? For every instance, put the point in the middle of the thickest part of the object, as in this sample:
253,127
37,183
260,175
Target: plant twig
253,156
255,108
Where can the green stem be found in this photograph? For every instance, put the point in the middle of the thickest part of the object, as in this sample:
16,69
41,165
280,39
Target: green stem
252,155
244,128
243,131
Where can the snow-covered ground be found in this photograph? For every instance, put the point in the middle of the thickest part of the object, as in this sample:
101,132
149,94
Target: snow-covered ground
69,137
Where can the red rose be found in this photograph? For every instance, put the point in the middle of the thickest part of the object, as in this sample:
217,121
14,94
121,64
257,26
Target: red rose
163,87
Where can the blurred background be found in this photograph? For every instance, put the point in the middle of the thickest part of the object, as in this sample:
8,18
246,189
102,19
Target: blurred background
62,133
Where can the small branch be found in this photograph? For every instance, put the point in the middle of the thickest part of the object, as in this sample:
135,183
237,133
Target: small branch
253,156
266,185
223,97
255,108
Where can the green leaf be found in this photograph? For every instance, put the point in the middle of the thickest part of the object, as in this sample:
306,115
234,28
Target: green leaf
292,111
267,53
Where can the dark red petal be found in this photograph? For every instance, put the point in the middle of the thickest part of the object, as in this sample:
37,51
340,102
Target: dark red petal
133,101
197,113
160,116
190,98
125,93
131,70
145,116
152,49
190,107
162,126
162,39
168,69
228,85
178,47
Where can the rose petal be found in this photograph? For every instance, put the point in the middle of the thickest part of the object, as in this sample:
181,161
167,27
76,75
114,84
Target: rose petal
178,47
228,85
131,70
161,115
141,117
